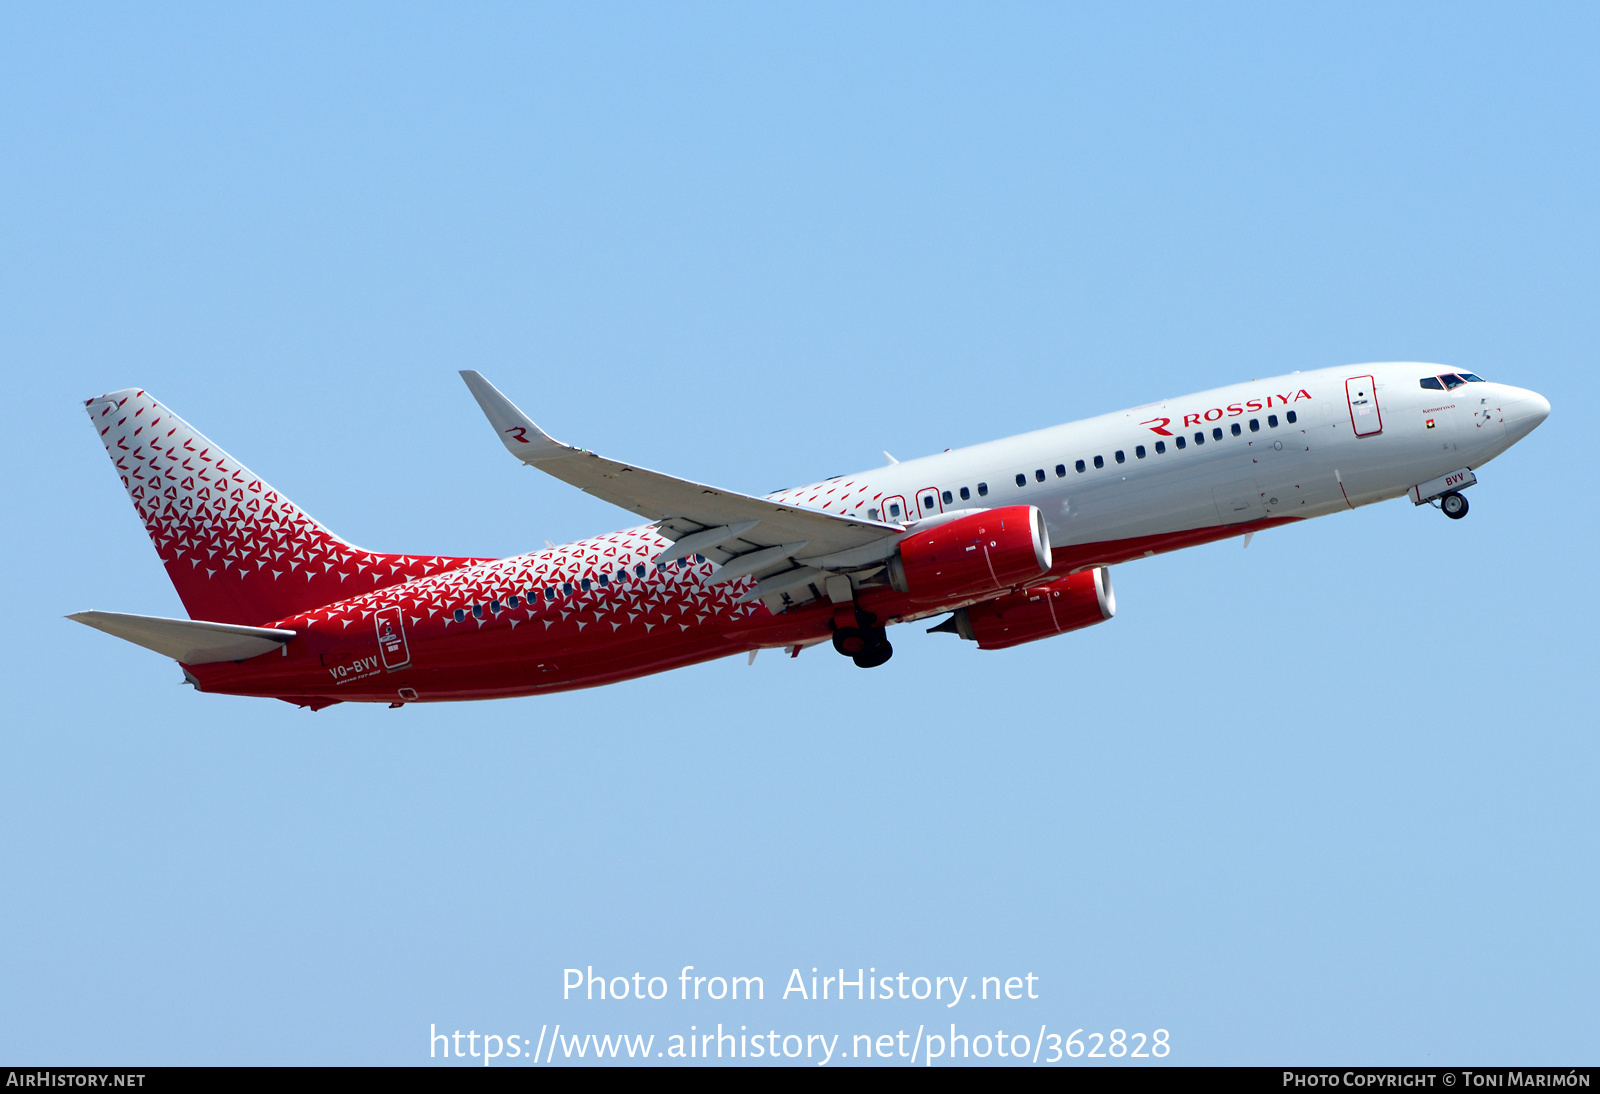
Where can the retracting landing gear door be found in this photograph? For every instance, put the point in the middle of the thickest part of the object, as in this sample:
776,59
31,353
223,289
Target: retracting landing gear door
1362,394
392,639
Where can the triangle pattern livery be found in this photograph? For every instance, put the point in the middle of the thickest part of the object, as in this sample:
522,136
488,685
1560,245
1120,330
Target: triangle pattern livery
1011,541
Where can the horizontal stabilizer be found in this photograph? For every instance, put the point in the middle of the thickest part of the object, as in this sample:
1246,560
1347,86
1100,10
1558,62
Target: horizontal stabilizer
187,640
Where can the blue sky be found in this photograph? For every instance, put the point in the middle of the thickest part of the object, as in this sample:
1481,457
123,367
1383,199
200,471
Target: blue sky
1326,800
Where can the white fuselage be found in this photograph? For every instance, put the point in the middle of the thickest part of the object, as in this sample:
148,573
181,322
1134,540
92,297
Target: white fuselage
1272,467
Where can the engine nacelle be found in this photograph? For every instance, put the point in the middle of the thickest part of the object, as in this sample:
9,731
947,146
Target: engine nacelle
1068,604
985,552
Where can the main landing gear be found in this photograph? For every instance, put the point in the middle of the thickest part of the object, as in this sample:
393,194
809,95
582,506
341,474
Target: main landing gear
865,643
1454,505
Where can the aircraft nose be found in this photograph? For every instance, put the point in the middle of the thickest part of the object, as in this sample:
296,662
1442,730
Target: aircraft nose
1524,411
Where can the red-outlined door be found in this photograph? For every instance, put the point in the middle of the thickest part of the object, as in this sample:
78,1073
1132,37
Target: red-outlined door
928,503
895,511
1362,394
392,639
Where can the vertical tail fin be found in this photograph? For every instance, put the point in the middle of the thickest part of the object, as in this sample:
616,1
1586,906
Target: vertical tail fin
237,550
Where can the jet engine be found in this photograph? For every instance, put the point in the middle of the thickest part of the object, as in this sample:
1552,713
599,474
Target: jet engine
985,552
1068,604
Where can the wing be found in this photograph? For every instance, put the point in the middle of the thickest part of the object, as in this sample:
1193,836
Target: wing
747,535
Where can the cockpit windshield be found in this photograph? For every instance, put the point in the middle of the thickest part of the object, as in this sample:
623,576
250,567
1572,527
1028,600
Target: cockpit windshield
1449,381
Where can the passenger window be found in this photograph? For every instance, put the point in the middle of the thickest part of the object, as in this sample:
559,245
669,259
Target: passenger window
872,514
1216,434
1179,441
983,490
605,581
1199,438
566,588
477,611
639,570
1451,381
1291,417
947,498
1161,448
1236,429
513,600
966,495
894,512
1138,450
1431,383
494,606
1099,461
929,502
1039,475
461,616
1120,457
1080,465
1021,479
699,558
1255,425
586,584
1061,470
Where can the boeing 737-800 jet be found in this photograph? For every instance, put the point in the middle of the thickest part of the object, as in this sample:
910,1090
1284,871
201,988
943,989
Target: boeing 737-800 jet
1011,539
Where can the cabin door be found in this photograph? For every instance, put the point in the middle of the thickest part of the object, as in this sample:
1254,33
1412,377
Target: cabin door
392,639
1362,395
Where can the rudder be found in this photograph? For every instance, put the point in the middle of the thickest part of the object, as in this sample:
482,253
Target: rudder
236,550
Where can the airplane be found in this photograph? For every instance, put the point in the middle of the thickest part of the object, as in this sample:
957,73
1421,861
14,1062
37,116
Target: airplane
1012,540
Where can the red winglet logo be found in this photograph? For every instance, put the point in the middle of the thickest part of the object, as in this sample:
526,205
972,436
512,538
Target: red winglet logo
522,433
1159,425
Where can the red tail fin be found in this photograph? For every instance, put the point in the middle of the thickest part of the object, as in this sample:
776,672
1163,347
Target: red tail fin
237,550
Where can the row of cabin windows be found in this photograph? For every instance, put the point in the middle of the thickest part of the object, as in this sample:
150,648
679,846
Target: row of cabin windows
1099,461
894,512
1161,446
553,593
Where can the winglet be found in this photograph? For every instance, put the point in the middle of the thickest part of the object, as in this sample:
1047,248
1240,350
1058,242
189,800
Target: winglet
524,440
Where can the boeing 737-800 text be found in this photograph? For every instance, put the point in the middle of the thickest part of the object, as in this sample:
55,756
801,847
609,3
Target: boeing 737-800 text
1012,539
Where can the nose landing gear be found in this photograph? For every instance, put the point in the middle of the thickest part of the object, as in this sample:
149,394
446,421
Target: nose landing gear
1454,505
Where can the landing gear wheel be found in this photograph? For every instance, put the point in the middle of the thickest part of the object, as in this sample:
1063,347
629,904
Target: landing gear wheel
1454,506
851,641
874,656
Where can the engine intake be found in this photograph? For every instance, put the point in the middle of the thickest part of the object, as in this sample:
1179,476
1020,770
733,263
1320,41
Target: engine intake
1068,604
985,552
